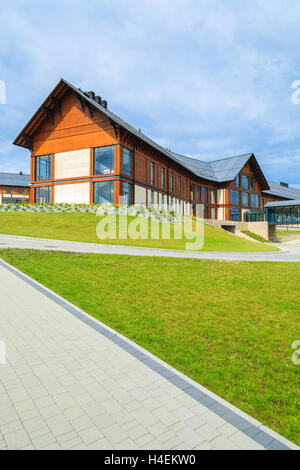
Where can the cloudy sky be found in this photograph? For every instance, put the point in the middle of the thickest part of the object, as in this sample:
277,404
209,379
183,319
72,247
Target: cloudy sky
206,78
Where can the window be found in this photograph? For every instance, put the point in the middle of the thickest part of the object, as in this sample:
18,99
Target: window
171,182
245,199
43,168
163,178
152,174
127,194
198,197
127,161
104,160
152,198
245,181
192,192
186,188
213,196
8,191
252,184
213,213
179,185
43,195
204,195
21,191
237,181
255,201
235,215
234,197
104,192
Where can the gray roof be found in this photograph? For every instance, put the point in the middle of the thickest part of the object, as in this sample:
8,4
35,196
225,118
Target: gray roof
283,204
281,191
14,179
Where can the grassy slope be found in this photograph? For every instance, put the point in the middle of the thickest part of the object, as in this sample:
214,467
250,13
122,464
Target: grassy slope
82,227
229,326
285,233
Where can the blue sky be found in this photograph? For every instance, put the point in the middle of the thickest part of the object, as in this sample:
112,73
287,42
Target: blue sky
206,78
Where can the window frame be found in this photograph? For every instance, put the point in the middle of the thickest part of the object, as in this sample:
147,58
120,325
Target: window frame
112,169
38,161
112,191
125,172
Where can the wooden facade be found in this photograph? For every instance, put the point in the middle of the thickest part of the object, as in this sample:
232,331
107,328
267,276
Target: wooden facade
69,130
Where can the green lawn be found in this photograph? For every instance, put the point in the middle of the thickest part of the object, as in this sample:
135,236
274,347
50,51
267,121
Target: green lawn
82,227
228,325
285,233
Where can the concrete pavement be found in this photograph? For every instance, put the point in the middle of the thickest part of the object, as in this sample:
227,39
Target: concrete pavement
70,382
290,253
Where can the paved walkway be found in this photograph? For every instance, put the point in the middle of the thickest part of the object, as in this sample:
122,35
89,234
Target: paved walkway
290,253
71,383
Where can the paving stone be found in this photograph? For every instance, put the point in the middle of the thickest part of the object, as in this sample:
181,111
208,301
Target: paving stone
17,440
222,443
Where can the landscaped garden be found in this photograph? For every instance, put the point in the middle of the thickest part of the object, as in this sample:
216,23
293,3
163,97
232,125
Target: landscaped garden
81,225
228,325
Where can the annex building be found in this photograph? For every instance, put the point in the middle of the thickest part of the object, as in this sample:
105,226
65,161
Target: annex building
14,188
81,152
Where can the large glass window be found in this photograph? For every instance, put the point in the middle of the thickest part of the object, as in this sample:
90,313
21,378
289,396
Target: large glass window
255,201
252,184
245,181
171,182
152,198
234,197
192,192
127,161
152,174
245,199
186,188
179,185
104,160
43,168
104,192
162,178
43,195
237,181
235,215
127,194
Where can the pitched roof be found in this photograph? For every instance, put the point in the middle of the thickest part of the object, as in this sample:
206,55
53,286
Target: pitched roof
14,179
283,204
218,171
277,189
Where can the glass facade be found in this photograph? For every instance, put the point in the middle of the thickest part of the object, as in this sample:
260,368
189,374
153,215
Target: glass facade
245,199
234,197
235,215
245,181
255,201
237,181
104,160
127,194
171,182
43,195
104,192
127,161
179,185
43,170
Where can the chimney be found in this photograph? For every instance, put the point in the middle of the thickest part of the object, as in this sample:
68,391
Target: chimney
98,100
104,104
21,172
284,185
91,94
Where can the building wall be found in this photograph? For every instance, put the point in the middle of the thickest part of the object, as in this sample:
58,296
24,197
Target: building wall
77,193
73,164
14,193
